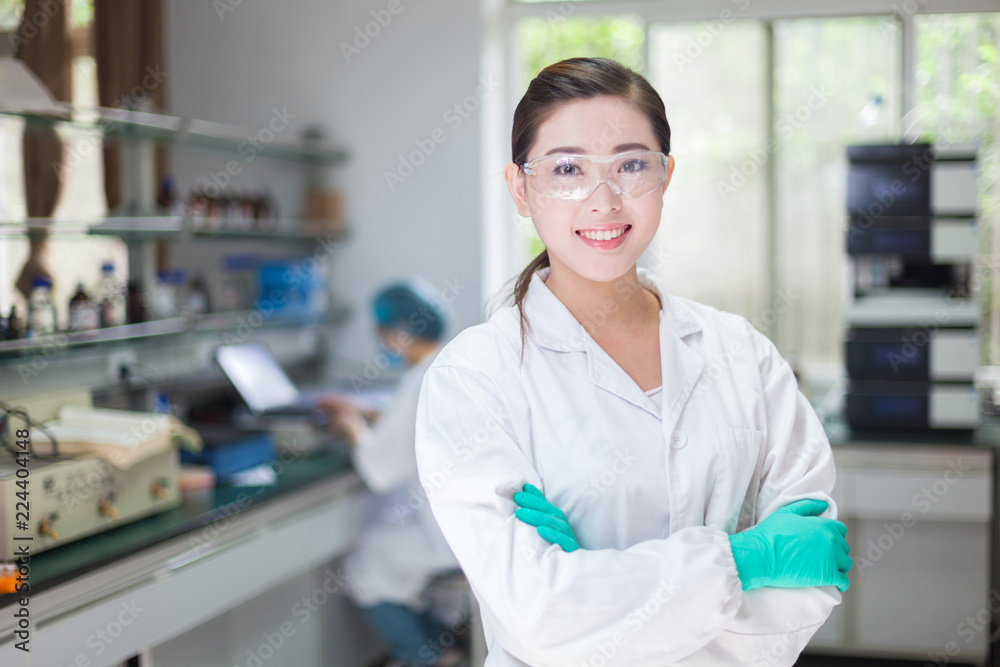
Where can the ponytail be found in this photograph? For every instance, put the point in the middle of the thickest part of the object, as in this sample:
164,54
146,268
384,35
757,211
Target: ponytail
521,290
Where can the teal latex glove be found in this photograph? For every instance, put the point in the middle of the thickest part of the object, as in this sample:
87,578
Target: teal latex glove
548,520
793,548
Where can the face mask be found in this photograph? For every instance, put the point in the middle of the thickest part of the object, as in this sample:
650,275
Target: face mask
392,353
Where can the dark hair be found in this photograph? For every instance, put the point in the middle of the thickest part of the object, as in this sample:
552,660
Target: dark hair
565,81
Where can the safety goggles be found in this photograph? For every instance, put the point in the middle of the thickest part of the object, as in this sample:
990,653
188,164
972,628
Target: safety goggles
575,177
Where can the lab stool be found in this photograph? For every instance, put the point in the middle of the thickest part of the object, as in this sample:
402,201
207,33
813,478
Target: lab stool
452,602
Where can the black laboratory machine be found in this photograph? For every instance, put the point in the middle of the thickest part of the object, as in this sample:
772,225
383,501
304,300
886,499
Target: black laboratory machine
911,312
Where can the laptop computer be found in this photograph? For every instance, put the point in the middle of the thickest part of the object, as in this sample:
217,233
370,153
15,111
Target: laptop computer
262,383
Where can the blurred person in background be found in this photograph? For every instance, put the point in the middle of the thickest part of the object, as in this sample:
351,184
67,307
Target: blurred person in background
402,549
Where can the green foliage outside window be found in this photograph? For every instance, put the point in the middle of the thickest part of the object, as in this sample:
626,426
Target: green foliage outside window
958,94
10,14
11,11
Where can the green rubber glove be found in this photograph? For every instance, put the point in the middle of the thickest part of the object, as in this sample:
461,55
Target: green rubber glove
793,548
548,520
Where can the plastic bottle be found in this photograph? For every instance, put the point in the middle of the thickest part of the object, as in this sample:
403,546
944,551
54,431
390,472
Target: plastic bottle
230,290
167,197
84,314
164,296
41,310
178,281
197,300
110,298
239,282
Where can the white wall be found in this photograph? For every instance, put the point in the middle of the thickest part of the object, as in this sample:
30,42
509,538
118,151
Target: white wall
265,55
237,66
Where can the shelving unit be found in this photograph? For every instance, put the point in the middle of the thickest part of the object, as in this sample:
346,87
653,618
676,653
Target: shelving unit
183,343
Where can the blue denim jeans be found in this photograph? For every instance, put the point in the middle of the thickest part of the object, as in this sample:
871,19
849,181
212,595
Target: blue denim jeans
411,636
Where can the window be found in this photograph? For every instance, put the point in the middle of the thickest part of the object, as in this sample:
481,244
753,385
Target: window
957,94
715,100
71,258
836,82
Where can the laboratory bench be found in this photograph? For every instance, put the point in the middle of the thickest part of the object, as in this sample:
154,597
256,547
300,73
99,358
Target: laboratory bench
105,598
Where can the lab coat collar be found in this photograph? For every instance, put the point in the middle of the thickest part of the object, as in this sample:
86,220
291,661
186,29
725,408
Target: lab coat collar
554,327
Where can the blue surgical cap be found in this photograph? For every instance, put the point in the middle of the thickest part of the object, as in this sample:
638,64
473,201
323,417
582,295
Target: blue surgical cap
413,306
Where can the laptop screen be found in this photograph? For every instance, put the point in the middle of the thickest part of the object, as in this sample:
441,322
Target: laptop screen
257,376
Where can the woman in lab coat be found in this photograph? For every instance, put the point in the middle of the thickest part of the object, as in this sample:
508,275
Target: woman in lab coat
627,477
403,548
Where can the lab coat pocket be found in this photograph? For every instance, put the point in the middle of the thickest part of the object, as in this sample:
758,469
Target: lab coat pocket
732,505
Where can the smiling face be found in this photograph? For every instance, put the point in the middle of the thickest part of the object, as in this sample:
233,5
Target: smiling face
574,232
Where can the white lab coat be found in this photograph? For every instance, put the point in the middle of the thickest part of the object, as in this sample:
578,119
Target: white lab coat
651,492
402,549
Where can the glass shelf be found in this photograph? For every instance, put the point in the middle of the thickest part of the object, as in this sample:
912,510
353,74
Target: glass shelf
281,233
139,226
142,228
177,130
213,323
22,228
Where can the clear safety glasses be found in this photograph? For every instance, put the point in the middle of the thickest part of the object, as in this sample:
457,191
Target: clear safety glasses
575,177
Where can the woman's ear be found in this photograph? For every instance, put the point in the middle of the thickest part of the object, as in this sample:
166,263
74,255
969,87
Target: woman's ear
516,184
670,171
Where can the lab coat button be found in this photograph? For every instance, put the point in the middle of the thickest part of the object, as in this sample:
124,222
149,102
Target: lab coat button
678,439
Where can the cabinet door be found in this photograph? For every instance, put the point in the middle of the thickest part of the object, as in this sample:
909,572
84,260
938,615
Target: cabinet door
919,523
917,594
